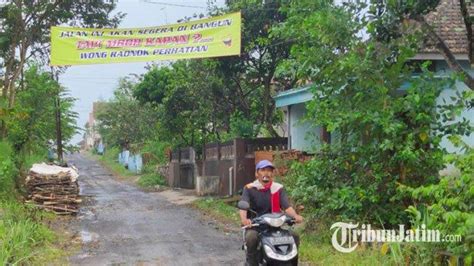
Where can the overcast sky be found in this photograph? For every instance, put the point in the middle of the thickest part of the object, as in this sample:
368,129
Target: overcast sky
89,83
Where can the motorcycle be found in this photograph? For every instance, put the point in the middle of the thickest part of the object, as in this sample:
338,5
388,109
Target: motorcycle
276,246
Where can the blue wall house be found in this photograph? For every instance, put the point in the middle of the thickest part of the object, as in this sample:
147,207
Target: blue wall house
448,24
301,135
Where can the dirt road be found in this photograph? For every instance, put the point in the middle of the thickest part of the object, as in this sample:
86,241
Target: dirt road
119,224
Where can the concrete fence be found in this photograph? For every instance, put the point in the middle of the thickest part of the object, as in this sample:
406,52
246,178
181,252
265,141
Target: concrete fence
133,162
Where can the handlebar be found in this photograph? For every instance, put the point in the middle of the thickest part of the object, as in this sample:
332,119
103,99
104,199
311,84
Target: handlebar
258,221
290,220
250,225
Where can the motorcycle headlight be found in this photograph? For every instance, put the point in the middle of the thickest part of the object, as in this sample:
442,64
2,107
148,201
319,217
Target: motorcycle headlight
275,222
271,254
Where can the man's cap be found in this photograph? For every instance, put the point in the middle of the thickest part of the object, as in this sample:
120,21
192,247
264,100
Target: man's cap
263,164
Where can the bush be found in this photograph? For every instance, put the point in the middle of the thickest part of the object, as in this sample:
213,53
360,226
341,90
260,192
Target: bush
8,170
158,150
330,188
448,207
112,154
151,178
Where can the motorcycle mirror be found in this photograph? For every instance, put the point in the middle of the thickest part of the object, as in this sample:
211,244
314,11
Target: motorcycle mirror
243,205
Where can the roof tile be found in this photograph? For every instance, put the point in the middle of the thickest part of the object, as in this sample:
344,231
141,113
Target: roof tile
448,23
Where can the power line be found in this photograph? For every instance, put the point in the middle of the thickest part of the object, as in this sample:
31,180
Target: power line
178,5
90,78
202,7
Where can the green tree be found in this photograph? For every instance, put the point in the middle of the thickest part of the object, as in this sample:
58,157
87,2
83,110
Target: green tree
153,85
192,109
383,119
33,125
251,79
123,121
26,29
218,99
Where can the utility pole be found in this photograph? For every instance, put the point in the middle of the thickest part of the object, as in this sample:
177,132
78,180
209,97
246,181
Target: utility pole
59,136
3,126
57,105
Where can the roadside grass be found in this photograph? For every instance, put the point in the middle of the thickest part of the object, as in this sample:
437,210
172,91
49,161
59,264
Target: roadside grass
148,179
151,180
25,238
218,209
316,252
314,249
109,160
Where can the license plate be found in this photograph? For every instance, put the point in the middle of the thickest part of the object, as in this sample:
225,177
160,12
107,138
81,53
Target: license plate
281,240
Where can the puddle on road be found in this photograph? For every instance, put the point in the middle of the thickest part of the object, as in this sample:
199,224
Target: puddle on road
88,237
83,256
86,215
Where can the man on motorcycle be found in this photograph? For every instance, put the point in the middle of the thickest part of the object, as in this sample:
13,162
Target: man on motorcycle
264,196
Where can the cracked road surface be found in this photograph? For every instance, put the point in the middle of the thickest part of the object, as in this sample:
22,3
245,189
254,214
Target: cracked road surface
121,225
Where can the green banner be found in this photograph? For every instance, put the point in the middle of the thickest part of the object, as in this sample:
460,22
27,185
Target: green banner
212,37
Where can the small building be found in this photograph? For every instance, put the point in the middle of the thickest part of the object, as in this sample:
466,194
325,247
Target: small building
92,138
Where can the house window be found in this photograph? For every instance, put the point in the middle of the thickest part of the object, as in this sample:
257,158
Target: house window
416,65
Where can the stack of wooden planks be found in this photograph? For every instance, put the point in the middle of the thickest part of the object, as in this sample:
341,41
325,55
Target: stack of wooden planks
54,188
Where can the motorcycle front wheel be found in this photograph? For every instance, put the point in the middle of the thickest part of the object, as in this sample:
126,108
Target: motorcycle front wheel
293,262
